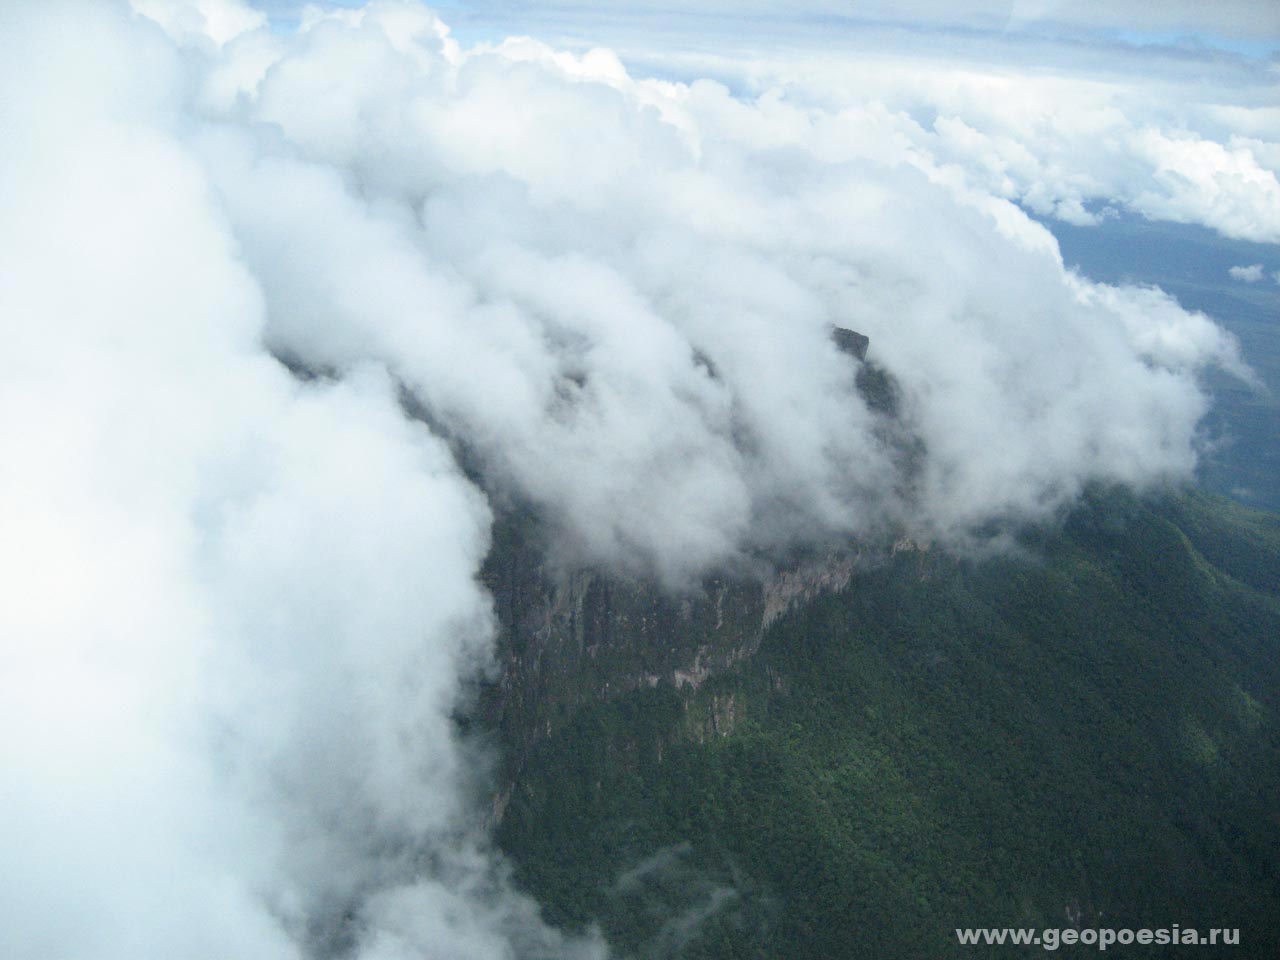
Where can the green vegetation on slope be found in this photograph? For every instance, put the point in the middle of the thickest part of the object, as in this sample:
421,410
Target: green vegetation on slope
1084,735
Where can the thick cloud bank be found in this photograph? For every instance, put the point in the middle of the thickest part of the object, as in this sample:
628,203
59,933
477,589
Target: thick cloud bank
239,604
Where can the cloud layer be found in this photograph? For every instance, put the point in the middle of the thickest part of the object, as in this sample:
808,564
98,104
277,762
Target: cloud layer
1245,19
242,606
1078,134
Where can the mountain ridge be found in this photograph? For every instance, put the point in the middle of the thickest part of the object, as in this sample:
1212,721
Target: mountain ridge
1083,733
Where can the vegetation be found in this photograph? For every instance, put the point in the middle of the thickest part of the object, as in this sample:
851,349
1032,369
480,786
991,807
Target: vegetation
1082,735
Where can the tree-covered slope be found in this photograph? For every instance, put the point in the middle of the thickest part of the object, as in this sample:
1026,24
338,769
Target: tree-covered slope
1083,734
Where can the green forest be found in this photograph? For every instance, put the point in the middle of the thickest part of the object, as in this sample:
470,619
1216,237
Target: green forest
1078,732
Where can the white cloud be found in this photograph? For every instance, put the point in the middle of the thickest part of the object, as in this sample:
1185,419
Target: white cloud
1063,144
196,20
1230,18
1066,126
1198,181
242,606
1249,274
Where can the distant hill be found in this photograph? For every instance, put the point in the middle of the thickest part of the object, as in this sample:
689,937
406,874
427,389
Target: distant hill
1087,734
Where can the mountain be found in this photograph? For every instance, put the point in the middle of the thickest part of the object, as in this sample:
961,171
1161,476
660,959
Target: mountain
873,747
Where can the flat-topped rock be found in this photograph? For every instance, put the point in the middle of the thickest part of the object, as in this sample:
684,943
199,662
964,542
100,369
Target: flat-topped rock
850,342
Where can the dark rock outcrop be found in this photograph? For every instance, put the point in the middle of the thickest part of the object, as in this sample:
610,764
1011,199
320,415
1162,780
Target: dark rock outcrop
851,342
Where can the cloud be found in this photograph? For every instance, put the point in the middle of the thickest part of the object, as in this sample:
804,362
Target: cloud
1250,274
1063,141
244,604
1198,181
1230,18
1071,125
201,21
577,250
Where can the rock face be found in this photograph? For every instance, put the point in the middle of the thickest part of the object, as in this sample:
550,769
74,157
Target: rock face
1082,728
572,639
851,342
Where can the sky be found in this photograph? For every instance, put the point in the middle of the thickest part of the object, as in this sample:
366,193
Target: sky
244,605
1251,25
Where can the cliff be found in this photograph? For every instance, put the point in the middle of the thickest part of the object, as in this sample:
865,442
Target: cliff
572,639
851,759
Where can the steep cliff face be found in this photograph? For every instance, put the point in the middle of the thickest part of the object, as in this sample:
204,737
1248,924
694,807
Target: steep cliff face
853,754
572,638
1085,730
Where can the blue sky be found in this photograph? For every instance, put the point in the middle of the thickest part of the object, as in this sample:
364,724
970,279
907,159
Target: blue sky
1244,27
